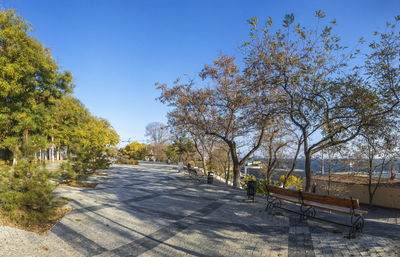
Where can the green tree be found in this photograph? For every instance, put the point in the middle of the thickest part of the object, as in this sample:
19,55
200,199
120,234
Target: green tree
328,101
135,151
92,148
376,150
65,119
26,193
226,110
182,149
29,81
90,140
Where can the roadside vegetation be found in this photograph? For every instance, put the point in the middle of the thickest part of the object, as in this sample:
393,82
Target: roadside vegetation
297,93
40,120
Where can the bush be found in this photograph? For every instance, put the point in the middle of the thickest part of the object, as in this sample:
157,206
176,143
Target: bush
26,193
260,183
127,161
261,186
292,181
68,172
244,180
90,161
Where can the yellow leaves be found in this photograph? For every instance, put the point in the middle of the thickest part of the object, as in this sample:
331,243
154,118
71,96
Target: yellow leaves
269,21
320,14
292,181
253,22
288,20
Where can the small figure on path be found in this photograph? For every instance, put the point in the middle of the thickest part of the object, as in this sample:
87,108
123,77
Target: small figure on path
392,174
180,166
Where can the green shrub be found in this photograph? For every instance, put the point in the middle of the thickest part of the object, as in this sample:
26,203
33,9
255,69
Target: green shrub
87,161
260,183
243,181
122,161
26,193
292,181
261,186
68,172
127,161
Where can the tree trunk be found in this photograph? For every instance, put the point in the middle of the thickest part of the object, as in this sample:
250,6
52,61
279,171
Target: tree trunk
201,153
293,167
236,164
51,153
236,174
371,195
228,170
25,143
307,170
203,163
329,172
210,162
228,174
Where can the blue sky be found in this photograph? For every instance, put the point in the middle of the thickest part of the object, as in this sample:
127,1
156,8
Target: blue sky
117,50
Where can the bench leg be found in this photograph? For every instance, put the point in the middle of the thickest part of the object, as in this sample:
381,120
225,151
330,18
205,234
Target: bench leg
273,203
357,225
307,211
195,178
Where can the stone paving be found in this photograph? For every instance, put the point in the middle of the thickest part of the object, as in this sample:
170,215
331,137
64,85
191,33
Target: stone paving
152,210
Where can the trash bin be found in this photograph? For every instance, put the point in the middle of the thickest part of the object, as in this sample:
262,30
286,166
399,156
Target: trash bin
210,177
251,189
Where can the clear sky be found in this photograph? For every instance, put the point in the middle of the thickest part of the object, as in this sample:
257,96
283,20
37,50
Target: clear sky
118,49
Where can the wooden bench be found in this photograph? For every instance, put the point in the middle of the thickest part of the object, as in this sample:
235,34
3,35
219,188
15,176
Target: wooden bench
309,201
194,175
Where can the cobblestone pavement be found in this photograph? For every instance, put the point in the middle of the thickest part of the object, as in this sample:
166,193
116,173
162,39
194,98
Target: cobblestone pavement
152,210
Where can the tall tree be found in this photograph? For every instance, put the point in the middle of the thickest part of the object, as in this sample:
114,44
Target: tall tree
135,151
377,149
157,133
29,80
89,139
182,149
275,141
327,101
224,110
93,145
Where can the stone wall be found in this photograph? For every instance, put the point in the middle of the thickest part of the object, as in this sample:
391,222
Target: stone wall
385,196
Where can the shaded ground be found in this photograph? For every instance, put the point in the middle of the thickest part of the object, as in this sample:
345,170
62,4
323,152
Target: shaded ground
151,210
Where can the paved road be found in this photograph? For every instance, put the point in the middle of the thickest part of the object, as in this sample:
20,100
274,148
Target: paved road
151,210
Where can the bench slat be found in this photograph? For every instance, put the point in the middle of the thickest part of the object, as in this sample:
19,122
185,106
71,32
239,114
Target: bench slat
283,191
330,200
286,198
312,197
335,208
320,205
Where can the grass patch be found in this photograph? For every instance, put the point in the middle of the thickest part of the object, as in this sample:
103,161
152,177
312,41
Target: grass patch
27,199
78,184
103,174
40,227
